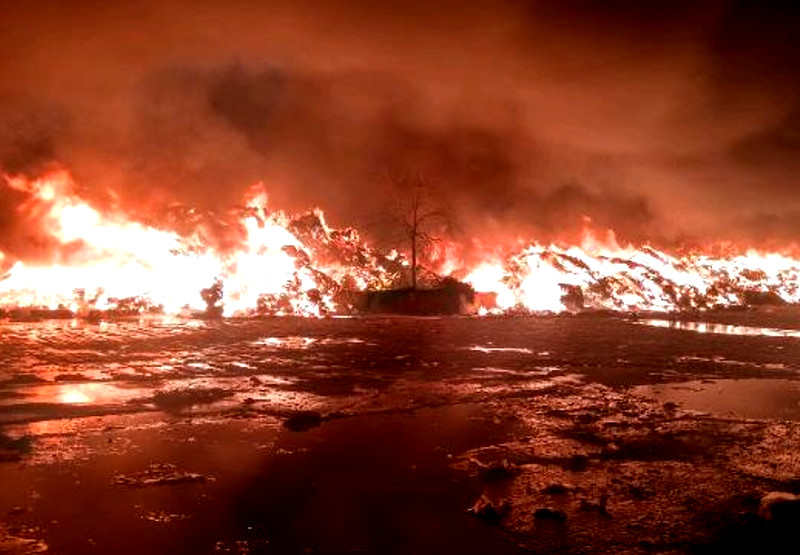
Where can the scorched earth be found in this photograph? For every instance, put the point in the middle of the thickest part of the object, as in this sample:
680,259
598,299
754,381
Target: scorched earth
589,433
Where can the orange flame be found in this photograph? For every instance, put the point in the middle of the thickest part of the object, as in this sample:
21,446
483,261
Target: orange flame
301,266
118,263
601,274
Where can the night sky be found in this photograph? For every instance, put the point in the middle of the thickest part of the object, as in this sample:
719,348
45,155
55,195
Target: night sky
669,122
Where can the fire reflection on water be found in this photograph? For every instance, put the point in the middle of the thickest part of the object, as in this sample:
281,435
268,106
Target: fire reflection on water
78,394
725,329
731,398
75,396
300,342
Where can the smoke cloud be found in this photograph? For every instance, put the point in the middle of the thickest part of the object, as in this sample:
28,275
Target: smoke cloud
669,122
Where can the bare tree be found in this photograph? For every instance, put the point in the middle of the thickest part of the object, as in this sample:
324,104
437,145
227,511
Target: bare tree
418,214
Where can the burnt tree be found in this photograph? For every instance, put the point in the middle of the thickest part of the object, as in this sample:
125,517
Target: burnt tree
418,215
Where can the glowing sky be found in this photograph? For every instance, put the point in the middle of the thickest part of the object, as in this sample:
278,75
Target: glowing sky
668,121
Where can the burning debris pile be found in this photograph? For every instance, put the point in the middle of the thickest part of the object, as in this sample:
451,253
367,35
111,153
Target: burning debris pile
104,262
555,279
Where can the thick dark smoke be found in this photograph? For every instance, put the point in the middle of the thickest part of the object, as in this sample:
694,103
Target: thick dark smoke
666,121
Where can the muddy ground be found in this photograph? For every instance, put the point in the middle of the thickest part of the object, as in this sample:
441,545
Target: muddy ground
592,433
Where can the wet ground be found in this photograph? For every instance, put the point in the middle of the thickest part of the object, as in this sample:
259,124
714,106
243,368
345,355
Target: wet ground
594,433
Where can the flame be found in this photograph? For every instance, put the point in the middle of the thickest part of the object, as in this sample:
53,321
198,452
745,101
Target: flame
104,261
602,275
114,263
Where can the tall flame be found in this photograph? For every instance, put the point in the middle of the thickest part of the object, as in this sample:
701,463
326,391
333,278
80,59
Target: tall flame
114,263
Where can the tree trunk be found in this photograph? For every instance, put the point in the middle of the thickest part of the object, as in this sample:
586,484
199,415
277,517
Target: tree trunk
414,233
414,259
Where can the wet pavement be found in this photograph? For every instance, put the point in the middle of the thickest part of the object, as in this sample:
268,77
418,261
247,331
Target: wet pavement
587,433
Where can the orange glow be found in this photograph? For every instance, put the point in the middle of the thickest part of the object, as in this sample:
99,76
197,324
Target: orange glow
627,278
105,261
115,262
74,396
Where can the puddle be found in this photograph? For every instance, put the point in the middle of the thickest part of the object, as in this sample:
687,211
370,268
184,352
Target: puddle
506,371
689,359
767,399
294,342
300,342
725,329
482,349
77,394
376,484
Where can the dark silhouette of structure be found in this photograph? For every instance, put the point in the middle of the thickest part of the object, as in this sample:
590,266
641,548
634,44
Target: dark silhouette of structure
450,298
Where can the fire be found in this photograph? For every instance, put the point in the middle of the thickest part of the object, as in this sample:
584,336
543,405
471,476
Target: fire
108,262
106,258
104,261
602,275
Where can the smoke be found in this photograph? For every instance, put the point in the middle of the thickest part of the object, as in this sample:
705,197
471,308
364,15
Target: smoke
667,122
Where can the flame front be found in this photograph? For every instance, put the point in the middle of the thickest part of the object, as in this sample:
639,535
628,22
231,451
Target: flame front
282,265
109,259
107,262
553,278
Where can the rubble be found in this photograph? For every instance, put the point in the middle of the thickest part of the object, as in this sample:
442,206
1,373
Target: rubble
13,449
303,420
178,399
159,475
489,511
548,513
17,542
504,470
780,506
557,489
